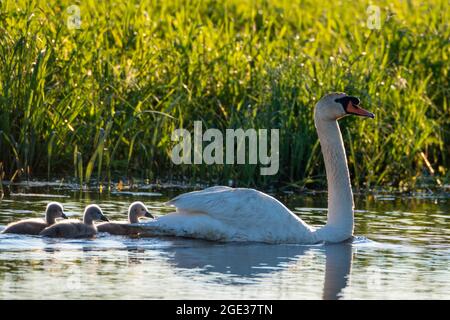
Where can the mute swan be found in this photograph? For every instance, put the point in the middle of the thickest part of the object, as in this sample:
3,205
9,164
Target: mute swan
135,211
77,229
34,226
240,214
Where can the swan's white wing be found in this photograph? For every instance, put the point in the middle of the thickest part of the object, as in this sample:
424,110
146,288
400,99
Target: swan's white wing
228,214
240,207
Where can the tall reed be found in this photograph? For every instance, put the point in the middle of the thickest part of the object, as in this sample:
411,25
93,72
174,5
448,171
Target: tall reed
100,102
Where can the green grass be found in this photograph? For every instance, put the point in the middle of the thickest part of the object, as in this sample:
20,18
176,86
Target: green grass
101,102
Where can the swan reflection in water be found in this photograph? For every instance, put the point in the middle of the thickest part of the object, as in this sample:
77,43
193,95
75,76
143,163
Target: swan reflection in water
256,260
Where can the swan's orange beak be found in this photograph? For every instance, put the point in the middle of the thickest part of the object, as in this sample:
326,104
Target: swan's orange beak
357,110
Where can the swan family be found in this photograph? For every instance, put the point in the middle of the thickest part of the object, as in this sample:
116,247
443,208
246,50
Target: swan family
235,214
239,214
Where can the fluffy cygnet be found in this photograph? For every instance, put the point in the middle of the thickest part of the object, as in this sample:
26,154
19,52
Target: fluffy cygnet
77,229
135,211
53,211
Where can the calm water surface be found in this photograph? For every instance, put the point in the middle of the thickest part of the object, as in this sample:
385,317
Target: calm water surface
401,252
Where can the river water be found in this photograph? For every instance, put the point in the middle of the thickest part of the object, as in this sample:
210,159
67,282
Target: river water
401,250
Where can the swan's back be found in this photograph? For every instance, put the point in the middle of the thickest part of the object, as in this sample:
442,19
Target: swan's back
231,214
231,204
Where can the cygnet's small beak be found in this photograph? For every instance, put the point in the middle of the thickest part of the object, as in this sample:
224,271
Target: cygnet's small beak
149,215
63,216
103,218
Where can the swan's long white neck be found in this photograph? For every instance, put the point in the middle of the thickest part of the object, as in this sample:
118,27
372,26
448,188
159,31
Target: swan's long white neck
339,225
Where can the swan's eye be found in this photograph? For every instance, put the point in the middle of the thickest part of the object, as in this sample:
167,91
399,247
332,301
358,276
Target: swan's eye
355,101
343,101
346,99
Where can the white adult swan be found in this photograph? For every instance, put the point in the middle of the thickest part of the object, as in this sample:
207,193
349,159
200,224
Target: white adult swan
239,214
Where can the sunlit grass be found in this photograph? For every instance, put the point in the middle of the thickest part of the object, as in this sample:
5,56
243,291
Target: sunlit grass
101,102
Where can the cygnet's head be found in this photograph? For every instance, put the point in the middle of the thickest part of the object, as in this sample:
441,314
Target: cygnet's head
136,210
93,213
54,210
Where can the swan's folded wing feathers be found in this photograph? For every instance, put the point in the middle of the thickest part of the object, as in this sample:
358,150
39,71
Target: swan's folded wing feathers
214,201
228,204
216,189
227,214
188,195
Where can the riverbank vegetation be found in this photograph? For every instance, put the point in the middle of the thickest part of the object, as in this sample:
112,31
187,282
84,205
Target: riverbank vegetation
97,98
